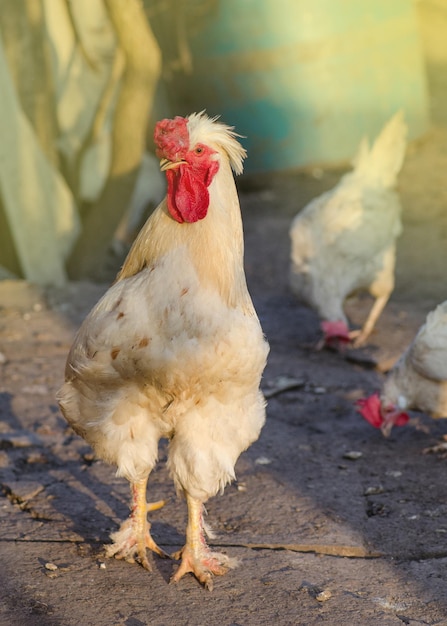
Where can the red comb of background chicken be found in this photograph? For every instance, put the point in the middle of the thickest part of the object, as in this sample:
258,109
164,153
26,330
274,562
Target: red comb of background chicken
336,334
370,409
401,419
172,138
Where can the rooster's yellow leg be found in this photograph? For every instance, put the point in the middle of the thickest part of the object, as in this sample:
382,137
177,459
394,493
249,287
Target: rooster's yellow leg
133,537
196,556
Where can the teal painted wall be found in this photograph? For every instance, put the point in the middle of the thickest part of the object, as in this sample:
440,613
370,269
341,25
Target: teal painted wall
304,80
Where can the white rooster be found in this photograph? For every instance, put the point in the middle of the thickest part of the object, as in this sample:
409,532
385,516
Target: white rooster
345,240
417,381
174,348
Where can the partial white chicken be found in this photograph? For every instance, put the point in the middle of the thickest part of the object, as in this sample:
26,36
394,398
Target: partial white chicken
174,348
345,240
417,381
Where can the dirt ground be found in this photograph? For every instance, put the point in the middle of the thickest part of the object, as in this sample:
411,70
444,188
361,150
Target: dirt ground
324,536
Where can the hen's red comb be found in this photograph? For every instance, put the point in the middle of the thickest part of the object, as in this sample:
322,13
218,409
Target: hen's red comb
369,408
336,334
172,138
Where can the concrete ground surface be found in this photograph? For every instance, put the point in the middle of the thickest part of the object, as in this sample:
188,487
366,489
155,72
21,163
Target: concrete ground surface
332,523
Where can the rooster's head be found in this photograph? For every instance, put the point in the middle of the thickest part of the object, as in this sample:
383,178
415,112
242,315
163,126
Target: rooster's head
189,150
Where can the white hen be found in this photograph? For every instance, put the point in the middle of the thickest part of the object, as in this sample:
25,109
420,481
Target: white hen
417,381
345,239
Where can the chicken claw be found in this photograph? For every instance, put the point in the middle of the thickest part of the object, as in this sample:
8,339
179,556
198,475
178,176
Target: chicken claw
196,556
357,338
133,537
204,565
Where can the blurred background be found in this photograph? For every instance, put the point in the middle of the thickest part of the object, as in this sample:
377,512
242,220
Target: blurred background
84,81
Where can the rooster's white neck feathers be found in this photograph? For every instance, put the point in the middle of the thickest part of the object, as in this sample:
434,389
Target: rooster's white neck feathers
215,243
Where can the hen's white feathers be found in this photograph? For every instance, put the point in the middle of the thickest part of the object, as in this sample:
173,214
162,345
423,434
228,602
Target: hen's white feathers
344,240
428,353
380,164
419,379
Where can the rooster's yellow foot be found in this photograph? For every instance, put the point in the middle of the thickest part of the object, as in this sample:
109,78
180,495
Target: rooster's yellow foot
204,565
133,537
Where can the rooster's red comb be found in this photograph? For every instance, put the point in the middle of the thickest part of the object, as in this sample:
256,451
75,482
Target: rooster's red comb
172,138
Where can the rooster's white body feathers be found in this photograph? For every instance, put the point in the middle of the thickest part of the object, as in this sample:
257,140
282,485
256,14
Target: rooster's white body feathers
174,348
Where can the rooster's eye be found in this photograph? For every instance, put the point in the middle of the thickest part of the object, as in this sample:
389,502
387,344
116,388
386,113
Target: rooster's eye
198,150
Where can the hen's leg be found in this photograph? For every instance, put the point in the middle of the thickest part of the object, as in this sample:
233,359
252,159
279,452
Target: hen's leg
381,289
196,556
133,537
360,336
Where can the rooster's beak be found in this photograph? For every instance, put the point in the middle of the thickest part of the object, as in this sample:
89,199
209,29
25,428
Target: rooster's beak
166,164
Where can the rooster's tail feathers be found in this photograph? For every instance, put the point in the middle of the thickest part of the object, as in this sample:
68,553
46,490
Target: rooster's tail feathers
382,162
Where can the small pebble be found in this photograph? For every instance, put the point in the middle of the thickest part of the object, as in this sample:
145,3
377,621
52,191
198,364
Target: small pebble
2,358
352,455
51,566
319,390
102,566
263,460
323,596
373,491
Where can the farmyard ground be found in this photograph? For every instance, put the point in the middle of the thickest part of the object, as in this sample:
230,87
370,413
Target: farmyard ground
324,537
